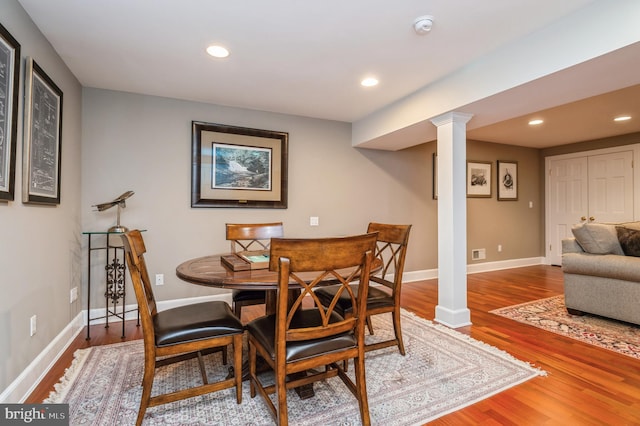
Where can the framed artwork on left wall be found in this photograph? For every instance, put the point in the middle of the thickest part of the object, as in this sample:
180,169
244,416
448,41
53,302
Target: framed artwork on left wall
42,137
9,80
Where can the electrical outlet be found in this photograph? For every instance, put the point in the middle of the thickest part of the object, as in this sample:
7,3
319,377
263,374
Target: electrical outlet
314,221
499,248
159,279
73,296
33,325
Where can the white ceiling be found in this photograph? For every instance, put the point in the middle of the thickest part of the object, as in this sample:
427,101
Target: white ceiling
302,57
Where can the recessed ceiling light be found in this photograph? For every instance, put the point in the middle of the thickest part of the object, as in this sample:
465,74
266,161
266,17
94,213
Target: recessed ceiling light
217,51
622,118
369,81
535,122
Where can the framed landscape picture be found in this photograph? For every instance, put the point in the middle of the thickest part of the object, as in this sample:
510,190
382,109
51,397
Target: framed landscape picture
42,137
507,180
238,167
9,80
479,179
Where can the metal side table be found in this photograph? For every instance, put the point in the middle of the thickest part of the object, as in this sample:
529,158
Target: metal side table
115,275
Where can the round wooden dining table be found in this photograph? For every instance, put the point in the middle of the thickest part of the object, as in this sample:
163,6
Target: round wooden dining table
211,272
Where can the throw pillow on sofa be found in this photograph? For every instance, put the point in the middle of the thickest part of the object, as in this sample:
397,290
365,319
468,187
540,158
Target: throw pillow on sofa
597,238
629,240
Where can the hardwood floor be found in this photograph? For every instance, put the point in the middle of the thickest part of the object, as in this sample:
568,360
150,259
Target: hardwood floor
585,385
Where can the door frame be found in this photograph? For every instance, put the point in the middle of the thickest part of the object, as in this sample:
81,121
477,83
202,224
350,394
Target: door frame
547,183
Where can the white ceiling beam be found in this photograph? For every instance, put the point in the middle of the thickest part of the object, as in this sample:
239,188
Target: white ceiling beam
539,64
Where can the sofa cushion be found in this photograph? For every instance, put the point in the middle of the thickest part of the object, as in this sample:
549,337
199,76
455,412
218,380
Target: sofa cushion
612,266
597,238
629,240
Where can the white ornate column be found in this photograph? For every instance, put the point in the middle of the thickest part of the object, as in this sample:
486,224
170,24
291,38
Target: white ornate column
452,309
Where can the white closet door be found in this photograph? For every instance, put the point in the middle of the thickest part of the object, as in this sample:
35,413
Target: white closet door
594,188
611,187
568,202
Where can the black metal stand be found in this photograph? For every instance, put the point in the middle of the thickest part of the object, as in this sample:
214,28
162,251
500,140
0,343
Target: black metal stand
115,275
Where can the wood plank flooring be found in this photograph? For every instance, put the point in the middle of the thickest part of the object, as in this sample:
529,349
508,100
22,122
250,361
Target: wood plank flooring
585,385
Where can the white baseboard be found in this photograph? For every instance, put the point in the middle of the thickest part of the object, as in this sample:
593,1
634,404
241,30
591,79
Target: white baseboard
425,274
429,274
29,379
31,376
504,264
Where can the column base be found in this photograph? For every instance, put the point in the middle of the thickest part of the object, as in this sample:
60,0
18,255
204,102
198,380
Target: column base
453,318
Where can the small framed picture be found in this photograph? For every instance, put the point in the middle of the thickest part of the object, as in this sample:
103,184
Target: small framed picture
479,179
507,180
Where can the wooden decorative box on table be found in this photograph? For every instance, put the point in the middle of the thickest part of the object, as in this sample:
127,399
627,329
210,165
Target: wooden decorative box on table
246,260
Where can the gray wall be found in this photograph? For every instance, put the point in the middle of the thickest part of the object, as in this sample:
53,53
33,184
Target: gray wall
40,246
143,143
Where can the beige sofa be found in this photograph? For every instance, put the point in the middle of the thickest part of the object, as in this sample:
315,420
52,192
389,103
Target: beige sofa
602,271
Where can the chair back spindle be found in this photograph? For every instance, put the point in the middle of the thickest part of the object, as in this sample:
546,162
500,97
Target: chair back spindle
252,236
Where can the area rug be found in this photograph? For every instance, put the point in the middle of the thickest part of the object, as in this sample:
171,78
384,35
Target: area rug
551,314
443,371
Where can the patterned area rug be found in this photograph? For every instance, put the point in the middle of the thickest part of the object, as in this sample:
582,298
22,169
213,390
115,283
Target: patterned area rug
550,314
442,372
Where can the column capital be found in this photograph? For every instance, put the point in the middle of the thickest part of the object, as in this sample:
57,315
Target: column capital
451,117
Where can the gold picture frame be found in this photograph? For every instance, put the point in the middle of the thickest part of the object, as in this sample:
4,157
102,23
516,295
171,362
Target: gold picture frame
238,167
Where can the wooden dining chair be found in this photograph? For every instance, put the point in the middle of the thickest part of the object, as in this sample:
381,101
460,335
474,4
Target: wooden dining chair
392,249
250,237
181,333
297,338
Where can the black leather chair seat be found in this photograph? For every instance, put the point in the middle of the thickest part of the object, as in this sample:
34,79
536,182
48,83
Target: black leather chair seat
377,298
195,322
242,295
263,329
